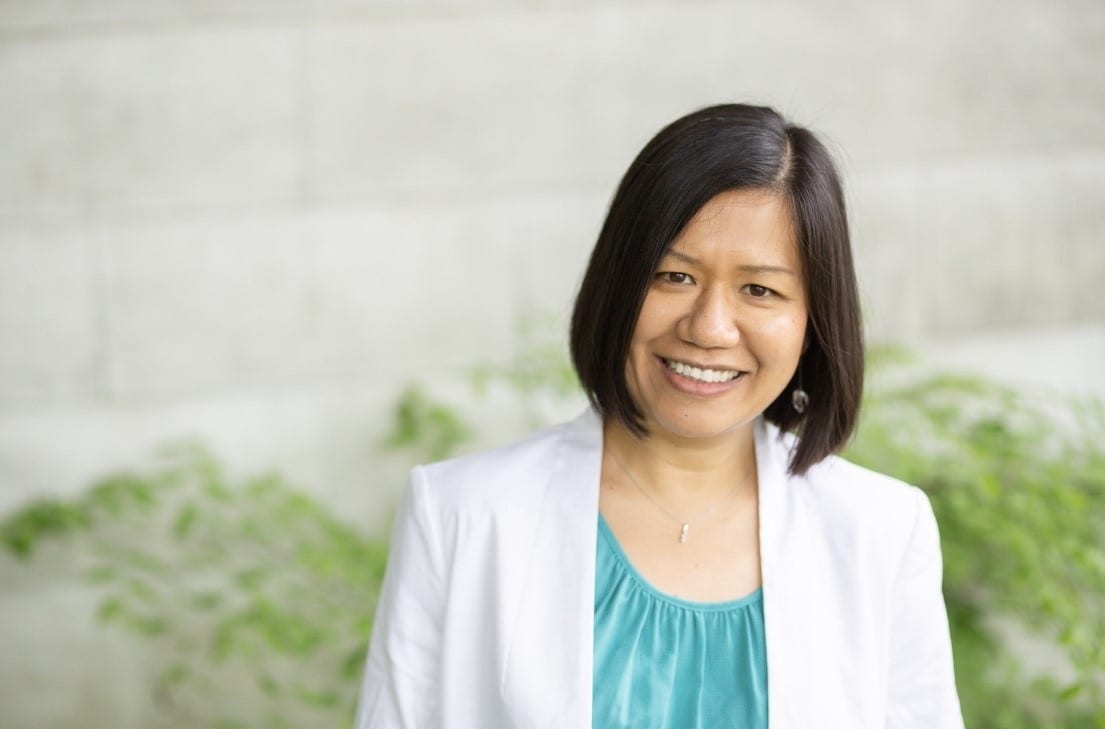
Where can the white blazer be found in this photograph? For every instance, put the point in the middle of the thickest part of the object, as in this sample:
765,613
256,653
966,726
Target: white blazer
486,615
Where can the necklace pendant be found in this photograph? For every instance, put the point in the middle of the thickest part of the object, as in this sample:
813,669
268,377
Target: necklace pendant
683,533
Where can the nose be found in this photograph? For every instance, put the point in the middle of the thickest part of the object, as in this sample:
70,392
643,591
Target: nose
711,322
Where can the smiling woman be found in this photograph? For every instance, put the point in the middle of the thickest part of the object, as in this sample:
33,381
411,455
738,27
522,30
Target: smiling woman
689,552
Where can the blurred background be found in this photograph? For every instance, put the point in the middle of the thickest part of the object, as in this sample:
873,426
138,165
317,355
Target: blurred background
322,240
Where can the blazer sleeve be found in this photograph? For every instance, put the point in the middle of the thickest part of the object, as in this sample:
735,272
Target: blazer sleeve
922,693
401,688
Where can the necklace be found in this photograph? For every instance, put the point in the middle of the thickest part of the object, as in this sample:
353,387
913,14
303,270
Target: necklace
684,524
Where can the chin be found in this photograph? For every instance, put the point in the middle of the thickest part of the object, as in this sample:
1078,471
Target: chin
699,428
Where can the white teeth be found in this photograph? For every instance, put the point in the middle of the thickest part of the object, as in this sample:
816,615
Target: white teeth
702,375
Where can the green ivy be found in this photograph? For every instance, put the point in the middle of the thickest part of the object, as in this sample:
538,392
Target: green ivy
424,427
1019,492
259,599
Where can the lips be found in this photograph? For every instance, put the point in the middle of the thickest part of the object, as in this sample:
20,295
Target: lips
701,374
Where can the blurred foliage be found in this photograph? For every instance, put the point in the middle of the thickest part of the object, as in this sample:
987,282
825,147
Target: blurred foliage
259,600
427,429
256,576
1019,492
539,367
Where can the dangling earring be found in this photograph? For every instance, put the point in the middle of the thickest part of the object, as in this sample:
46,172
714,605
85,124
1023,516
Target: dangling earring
799,398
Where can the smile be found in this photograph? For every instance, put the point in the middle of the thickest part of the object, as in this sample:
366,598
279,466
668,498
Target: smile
700,374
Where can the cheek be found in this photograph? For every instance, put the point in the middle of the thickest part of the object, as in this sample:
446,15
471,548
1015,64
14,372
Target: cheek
656,318
787,332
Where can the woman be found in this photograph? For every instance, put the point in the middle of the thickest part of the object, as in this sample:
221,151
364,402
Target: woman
689,552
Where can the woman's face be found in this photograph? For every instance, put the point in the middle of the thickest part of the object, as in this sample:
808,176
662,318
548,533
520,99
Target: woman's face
724,320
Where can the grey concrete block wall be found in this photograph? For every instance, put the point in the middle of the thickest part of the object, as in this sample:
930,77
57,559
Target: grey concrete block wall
57,645
253,222
981,245
126,120
48,324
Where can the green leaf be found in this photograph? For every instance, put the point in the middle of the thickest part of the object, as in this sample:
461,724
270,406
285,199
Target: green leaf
110,609
185,521
1070,691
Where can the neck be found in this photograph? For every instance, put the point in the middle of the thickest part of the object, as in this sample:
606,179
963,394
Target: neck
681,469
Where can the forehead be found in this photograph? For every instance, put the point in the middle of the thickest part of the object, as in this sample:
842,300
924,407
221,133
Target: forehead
748,224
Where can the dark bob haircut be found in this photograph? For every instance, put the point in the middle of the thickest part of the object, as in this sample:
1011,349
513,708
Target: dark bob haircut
693,159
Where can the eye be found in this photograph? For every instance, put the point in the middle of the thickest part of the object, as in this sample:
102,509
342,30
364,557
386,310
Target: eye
757,291
675,277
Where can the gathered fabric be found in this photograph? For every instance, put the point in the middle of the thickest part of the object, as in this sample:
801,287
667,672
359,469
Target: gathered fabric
661,662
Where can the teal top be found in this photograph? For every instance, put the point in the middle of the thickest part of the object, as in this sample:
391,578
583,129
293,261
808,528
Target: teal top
666,663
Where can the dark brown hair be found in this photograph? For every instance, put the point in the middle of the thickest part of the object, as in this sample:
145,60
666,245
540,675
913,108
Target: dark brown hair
693,159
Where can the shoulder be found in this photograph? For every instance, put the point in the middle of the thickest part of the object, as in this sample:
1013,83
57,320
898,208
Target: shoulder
873,517
514,471
864,497
848,498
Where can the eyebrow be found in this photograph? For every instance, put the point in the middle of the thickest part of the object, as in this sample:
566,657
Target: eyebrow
749,268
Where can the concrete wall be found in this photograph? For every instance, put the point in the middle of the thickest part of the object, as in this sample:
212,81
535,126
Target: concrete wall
252,222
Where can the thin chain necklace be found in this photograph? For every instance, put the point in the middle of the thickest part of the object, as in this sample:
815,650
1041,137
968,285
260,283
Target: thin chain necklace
684,524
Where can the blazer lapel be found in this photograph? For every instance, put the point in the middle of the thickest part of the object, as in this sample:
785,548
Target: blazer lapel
547,674
771,475
794,631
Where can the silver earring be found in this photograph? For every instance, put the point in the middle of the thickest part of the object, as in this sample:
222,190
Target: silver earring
799,400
